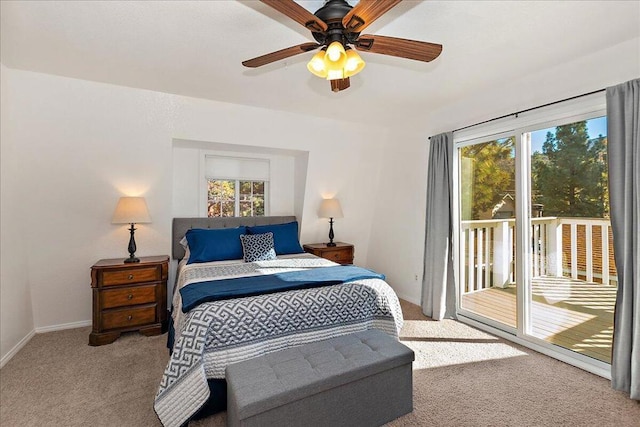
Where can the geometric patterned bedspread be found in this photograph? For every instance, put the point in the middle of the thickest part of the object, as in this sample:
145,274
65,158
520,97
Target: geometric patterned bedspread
216,334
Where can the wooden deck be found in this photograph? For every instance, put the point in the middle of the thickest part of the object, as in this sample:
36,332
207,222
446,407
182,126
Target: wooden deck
570,313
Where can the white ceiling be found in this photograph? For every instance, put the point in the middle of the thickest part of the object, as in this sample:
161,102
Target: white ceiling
195,48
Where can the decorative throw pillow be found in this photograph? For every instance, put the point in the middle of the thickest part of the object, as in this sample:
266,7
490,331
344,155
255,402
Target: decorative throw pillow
258,247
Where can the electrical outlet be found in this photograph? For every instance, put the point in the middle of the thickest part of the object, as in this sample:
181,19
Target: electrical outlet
416,278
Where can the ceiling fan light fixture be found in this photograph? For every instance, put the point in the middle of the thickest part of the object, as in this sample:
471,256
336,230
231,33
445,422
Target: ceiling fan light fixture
336,28
336,53
354,64
317,65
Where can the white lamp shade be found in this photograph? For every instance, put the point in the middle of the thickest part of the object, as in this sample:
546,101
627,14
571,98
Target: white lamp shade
330,208
131,210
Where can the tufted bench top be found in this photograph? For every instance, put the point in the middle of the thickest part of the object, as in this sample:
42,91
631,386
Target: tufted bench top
278,378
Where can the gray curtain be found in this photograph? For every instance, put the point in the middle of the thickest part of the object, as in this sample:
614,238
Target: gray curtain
438,285
623,118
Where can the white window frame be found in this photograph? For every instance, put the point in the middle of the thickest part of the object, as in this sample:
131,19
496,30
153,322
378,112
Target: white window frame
236,208
520,126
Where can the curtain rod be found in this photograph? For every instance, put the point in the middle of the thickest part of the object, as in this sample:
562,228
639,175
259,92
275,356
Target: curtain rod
529,109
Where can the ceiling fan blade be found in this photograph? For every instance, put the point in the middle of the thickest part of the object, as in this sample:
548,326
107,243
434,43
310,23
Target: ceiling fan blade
298,13
365,12
280,54
403,48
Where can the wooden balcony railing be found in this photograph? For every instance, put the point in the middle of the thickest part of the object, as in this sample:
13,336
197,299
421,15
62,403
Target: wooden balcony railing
579,248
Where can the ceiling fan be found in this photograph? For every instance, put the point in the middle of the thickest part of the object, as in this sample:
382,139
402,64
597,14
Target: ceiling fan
336,27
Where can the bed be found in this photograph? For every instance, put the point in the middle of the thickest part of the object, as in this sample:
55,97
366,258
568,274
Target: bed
244,288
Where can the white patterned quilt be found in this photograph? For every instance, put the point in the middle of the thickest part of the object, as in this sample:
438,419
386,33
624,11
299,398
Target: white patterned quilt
216,334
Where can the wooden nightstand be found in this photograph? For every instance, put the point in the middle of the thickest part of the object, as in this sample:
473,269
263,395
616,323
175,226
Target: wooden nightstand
341,253
128,297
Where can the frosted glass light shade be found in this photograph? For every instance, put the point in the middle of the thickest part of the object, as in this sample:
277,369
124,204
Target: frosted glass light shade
317,66
354,64
336,53
131,210
330,208
335,60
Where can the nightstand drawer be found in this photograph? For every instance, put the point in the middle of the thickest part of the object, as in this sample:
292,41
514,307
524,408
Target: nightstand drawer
339,256
124,297
341,253
124,318
130,275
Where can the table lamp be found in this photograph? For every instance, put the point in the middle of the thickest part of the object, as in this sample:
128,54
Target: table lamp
131,210
330,208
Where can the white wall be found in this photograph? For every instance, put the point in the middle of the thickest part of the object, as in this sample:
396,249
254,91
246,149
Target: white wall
76,146
16,315
397,233
397,242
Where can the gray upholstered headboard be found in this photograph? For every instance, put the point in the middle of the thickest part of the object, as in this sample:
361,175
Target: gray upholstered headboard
181,225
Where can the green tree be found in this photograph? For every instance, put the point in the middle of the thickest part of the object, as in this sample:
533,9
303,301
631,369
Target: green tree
569,177
488,171
221,198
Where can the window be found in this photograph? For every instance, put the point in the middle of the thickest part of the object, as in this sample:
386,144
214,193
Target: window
227,197
235,186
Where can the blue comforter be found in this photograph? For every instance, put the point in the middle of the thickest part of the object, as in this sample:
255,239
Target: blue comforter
216,290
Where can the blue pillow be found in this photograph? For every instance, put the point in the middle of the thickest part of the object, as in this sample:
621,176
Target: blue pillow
258,247
220,244
285,236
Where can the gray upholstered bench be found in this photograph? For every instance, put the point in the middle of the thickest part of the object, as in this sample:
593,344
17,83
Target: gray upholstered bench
360,379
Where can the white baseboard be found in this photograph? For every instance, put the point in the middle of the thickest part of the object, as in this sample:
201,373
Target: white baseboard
412,300
73,325
16,348
41,330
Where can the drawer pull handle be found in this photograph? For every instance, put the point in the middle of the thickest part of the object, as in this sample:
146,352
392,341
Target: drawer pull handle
130,296
130,317
131,277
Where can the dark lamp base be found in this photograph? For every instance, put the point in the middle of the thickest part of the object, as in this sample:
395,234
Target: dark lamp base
132,248
331,244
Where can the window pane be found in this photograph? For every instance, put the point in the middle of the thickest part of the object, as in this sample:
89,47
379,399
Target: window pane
221,190
573,274
488,180
228,209
258,187
245,208
258,206
213,209
488,208
220,194
568,168
245,187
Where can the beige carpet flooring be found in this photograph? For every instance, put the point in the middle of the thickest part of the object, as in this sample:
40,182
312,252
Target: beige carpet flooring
462,377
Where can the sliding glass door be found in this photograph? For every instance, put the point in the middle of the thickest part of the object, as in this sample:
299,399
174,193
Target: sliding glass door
572,275
486,243
534,247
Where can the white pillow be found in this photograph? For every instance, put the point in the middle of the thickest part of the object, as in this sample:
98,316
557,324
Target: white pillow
185,245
